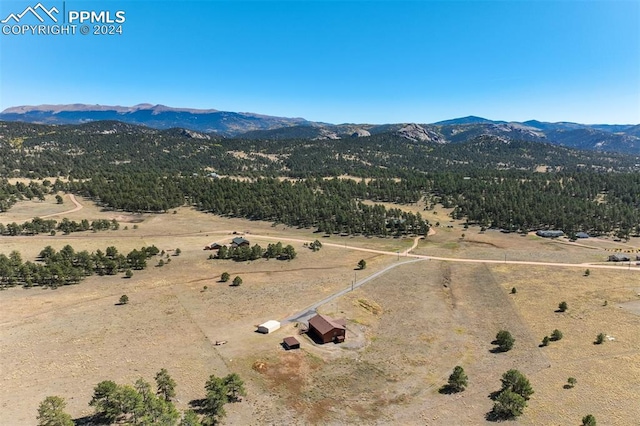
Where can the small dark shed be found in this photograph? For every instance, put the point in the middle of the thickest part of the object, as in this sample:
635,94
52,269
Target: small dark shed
324,329
290,343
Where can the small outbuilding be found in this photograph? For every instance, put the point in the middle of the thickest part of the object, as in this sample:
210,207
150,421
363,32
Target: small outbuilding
582,235
619,258
290,343
213,246
324,329
268,327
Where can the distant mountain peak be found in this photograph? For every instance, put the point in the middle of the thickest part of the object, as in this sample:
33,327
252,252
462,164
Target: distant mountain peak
471,119
156,116
24,109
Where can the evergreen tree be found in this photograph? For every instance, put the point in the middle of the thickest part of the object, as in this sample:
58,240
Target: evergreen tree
216,397
457,380
517,382
508,405
190,418
166,385
234,386
51,412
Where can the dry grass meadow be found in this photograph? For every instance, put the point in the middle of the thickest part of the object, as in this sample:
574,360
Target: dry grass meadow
407,329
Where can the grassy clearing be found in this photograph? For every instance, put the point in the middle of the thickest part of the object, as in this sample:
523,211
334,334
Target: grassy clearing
406,329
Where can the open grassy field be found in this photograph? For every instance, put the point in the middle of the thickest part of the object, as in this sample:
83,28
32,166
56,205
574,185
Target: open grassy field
407,329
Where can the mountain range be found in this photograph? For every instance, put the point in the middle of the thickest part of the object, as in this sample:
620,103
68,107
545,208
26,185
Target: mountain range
602,137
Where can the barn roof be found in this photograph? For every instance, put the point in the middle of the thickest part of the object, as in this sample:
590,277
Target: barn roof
290,341
324,324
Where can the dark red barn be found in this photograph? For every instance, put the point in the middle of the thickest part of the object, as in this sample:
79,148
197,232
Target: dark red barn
324,329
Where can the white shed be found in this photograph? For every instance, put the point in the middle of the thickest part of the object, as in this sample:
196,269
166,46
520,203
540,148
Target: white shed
268,327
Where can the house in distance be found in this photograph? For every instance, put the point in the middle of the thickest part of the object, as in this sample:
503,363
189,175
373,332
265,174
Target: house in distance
619,258
323,329
550,233
239,242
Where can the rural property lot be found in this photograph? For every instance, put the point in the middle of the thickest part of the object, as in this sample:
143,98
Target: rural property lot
407,329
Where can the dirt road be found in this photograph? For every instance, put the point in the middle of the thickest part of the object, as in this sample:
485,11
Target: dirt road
310,311
77,207
406,253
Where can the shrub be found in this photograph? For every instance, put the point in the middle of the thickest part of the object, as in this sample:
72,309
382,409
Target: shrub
504,340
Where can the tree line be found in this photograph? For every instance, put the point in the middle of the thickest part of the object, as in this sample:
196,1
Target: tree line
244,253
48,226
68,266
11,194
596,203
330,206
572,202
581,201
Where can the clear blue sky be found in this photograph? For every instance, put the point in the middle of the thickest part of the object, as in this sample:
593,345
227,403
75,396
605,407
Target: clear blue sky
335,61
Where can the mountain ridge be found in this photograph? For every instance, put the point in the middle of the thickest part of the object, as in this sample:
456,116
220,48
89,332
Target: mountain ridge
602,137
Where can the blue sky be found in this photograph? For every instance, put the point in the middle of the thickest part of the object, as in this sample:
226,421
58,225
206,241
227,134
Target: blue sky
336,61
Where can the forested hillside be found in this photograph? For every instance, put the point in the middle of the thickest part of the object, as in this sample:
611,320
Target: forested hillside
81,151
513,185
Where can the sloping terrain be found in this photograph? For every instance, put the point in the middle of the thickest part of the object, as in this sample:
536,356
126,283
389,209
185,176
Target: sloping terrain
601,137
